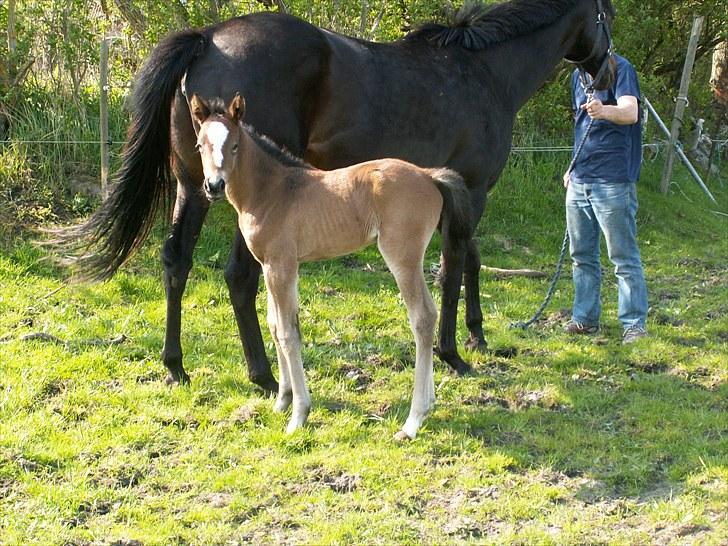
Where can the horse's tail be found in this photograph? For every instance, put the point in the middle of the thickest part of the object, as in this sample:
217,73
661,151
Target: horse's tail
457,223
143,183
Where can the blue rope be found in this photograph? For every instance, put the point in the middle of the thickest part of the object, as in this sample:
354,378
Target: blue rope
564,245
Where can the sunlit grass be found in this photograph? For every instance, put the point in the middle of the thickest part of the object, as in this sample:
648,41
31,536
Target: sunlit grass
554,440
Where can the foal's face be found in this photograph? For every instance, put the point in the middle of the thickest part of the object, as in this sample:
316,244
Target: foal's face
218,142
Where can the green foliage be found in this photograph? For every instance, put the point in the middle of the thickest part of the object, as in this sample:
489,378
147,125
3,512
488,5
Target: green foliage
50,167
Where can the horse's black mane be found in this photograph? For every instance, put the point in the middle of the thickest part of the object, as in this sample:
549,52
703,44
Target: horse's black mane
476,26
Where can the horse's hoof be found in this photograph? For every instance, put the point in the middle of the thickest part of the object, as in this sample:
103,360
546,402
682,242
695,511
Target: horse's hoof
402,436
266,382
176,379
476,344
457,364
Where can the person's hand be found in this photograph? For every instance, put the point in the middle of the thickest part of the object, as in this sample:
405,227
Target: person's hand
595,108
567,177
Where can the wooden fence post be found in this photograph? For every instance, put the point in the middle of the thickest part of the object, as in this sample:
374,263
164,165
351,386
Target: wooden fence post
678,150
681,103
104,115
12,39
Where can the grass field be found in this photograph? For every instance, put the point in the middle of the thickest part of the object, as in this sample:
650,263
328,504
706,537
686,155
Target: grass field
554,440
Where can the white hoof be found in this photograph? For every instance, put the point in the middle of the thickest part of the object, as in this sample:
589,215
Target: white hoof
402,436
298,419
283,402
410,428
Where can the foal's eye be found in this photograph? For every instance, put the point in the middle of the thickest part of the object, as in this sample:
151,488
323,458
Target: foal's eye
235,149
198,147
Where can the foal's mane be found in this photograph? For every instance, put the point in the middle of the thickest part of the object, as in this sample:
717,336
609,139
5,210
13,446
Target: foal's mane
476,26
280,154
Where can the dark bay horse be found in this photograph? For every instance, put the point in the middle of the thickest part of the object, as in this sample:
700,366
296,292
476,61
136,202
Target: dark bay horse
290,212
441,96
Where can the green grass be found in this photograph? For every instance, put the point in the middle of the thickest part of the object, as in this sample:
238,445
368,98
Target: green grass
555,440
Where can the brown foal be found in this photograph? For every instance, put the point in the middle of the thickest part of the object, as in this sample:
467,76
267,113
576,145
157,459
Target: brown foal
290,212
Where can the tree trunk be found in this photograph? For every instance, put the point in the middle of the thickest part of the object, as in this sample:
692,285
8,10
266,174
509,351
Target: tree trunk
133,16
364,19
719,104
719,74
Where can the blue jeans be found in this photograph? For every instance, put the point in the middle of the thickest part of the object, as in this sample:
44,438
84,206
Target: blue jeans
611,208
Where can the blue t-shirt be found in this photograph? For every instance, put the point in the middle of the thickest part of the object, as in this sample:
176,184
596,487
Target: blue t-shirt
612,152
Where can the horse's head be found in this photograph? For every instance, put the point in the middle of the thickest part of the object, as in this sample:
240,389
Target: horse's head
592,50
218,140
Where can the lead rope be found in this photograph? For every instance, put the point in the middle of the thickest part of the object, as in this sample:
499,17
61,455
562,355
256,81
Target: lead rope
560,264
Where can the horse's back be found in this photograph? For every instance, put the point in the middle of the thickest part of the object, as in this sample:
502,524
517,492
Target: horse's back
275,61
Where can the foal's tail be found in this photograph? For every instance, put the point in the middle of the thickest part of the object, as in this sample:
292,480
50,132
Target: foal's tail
143,183
457,215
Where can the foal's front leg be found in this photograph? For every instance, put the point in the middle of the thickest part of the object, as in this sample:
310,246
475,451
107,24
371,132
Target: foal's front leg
285,392
281,280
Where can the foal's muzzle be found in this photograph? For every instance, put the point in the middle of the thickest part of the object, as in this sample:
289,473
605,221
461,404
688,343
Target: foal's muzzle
215,188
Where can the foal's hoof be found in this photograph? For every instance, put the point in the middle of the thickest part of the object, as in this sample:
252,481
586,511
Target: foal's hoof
282,403
476,344
402,436
298,419
175,379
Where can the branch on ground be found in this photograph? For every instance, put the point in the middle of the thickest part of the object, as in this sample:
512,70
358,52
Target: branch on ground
498,272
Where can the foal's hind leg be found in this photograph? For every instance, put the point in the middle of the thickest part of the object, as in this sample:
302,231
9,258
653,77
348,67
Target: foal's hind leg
473,312
405,263
242,275
190,210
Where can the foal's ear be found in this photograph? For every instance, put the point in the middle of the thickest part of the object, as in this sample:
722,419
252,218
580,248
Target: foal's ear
200,110
237,108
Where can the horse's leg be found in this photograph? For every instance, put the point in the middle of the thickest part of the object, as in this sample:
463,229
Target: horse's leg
471,277
242,275
406,266
281,280
189,213
451,274
285,391
473,312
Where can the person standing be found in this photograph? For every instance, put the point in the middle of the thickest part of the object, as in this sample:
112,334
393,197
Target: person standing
601,198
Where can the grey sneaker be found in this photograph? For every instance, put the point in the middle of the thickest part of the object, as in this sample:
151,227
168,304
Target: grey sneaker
573,327
632,334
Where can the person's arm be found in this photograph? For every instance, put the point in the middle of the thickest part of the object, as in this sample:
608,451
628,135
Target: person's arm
625,112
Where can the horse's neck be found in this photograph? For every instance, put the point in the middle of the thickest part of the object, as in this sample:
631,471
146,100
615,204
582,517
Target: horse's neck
523,64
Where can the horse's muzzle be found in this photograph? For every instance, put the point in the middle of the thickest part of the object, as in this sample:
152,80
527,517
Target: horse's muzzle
215,188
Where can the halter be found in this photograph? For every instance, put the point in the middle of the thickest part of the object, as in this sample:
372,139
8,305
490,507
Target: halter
604,27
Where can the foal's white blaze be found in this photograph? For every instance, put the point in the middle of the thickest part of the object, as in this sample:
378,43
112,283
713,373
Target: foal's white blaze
217,134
